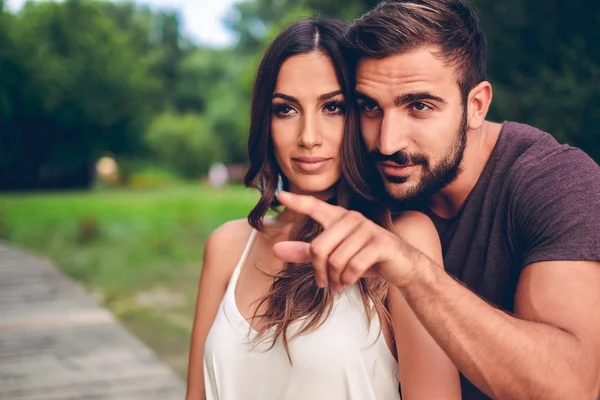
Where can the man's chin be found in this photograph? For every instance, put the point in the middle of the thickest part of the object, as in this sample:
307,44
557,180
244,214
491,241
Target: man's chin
399,191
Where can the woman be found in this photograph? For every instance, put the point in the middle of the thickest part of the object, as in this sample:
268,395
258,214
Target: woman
264,330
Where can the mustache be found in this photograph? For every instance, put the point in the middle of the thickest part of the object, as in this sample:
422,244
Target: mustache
401,158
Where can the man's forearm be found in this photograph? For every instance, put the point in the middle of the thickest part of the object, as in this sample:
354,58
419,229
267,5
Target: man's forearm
503,356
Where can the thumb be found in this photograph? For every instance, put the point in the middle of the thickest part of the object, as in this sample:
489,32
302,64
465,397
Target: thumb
292,251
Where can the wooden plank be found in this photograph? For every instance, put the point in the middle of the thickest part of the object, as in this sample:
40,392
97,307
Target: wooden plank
72,339
36,372
52,318
35,281
141,388
41,291
39,315
8,252
56,343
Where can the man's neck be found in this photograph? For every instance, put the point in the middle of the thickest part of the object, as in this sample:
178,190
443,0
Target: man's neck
480,145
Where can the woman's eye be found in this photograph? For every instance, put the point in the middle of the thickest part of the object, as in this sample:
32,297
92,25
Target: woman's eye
283,110
335,108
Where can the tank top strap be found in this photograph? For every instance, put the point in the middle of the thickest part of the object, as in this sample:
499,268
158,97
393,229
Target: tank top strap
243,257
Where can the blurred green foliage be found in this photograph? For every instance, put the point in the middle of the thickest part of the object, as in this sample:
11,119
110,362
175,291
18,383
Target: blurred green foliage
138,252
183,142
82,78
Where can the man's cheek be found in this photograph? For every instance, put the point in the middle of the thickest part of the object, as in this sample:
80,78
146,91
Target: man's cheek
369,134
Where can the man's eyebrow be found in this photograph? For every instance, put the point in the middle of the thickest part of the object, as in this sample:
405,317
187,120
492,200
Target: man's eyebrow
364,97
408,98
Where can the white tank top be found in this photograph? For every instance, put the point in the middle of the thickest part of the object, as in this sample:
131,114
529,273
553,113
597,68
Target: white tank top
344,358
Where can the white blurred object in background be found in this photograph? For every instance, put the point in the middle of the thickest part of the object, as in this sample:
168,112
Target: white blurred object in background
218,175
107,169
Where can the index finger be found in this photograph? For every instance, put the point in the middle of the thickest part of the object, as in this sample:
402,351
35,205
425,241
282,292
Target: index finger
322,212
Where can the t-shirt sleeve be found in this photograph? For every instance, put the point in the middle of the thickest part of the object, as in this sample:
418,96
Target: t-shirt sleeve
556,207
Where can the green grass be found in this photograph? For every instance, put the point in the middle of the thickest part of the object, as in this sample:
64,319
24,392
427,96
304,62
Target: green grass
138,252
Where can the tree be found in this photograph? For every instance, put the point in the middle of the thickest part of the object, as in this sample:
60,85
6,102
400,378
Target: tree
183,142
544,64
83,92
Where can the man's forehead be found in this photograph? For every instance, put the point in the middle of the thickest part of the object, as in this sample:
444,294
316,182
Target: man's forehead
419,67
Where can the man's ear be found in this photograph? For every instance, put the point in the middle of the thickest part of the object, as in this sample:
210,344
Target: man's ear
478,105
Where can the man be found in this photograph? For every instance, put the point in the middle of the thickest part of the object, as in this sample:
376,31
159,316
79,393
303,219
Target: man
517,213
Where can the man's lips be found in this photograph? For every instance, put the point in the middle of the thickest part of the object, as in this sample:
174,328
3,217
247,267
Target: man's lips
395,169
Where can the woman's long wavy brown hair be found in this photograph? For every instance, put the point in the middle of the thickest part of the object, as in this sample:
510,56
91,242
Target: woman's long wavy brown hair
294,294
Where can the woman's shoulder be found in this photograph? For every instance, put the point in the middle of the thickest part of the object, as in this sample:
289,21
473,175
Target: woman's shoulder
420,232
225,244
230,235
413,222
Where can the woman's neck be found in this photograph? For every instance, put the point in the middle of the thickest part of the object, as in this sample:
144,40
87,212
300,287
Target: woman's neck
286,218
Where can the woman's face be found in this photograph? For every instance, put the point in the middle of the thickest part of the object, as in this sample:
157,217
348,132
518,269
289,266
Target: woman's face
307,123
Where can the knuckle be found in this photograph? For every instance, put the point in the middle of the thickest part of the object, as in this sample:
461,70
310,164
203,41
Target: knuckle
316,249
336,263
377,239
354,216
370,225
349,278
355,265
338,209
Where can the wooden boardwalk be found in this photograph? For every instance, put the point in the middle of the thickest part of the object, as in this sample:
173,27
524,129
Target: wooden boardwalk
56,343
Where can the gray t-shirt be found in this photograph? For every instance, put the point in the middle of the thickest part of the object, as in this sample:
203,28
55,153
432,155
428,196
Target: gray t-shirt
536,200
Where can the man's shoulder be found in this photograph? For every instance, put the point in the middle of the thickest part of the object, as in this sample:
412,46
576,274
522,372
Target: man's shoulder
523,143
535,158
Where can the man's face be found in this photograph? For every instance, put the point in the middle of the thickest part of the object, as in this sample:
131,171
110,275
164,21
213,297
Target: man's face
413,121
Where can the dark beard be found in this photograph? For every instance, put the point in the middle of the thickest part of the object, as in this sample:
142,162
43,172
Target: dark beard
433,180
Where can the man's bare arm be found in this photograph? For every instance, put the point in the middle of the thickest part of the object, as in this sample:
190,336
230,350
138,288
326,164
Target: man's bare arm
549,350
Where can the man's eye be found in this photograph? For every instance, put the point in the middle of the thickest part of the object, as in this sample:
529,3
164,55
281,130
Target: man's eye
369,107
420,106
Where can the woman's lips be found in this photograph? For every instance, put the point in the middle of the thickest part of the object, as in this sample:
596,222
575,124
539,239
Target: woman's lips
311,165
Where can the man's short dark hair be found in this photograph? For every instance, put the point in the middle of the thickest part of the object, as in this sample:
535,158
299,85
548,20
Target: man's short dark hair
396,27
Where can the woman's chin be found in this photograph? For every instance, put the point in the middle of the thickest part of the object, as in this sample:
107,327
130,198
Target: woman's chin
322,189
